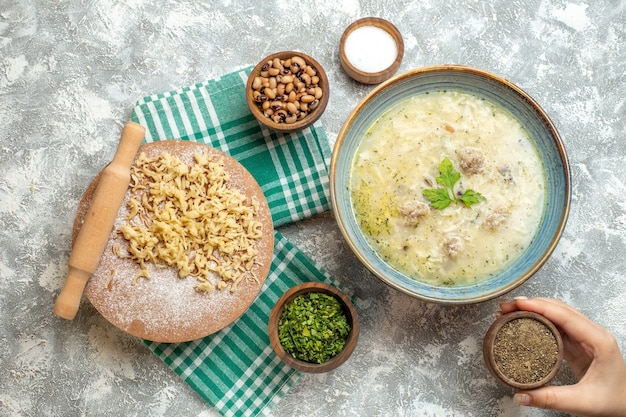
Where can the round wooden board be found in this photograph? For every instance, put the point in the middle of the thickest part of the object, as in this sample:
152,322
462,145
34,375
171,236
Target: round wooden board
167,308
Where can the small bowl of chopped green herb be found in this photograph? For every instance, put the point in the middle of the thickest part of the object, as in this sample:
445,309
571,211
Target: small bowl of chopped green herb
313,327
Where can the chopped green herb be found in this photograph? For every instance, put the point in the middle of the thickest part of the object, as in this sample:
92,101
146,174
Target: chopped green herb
440,198
313,327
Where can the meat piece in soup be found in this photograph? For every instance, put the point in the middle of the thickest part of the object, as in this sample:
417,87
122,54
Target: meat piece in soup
471,160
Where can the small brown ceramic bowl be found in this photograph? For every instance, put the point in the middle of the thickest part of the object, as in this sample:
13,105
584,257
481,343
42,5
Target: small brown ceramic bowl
348,309
273,89
371,51
523,350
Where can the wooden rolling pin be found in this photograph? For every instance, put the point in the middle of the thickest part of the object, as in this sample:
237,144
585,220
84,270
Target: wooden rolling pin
99,219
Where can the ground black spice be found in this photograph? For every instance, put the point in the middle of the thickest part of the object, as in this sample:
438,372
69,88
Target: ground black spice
525,350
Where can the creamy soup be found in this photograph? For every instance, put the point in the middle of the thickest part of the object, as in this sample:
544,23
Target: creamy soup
400,157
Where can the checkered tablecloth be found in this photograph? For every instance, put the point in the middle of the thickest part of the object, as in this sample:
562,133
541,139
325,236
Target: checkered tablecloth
292,169
236,370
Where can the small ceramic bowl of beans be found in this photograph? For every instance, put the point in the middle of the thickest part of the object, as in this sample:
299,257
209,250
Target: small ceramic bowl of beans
287,91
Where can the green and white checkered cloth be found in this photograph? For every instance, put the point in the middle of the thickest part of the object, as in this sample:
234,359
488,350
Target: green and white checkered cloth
235,370
292,169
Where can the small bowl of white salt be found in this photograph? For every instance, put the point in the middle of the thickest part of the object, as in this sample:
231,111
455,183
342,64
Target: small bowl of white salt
371,50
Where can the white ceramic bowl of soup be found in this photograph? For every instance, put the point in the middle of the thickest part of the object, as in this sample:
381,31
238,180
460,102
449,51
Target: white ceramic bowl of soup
499,142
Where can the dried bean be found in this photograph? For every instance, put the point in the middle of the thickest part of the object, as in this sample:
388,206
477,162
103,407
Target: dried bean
282,114
305,78
292,108
270,93
298,60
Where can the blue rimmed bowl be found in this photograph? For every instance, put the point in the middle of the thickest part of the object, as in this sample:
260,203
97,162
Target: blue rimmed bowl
483,85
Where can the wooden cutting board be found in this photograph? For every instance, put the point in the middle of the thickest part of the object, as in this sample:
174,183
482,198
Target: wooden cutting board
166,308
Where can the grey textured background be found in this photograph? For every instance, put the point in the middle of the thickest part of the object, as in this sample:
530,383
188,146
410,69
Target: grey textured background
69,75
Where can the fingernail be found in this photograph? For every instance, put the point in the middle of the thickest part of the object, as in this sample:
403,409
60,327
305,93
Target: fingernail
520,297
505,302
522,399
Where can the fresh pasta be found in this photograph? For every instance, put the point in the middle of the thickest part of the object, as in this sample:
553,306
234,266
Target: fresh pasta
188,218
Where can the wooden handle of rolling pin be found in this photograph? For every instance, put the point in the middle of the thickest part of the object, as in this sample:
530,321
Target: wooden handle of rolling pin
99,219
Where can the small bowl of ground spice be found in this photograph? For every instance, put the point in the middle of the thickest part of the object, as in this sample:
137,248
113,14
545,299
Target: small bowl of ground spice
287,91
313,327
523,350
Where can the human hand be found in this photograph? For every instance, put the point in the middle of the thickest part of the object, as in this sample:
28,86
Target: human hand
593,355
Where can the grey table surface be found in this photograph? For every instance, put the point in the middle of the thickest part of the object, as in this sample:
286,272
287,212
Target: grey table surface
69,74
